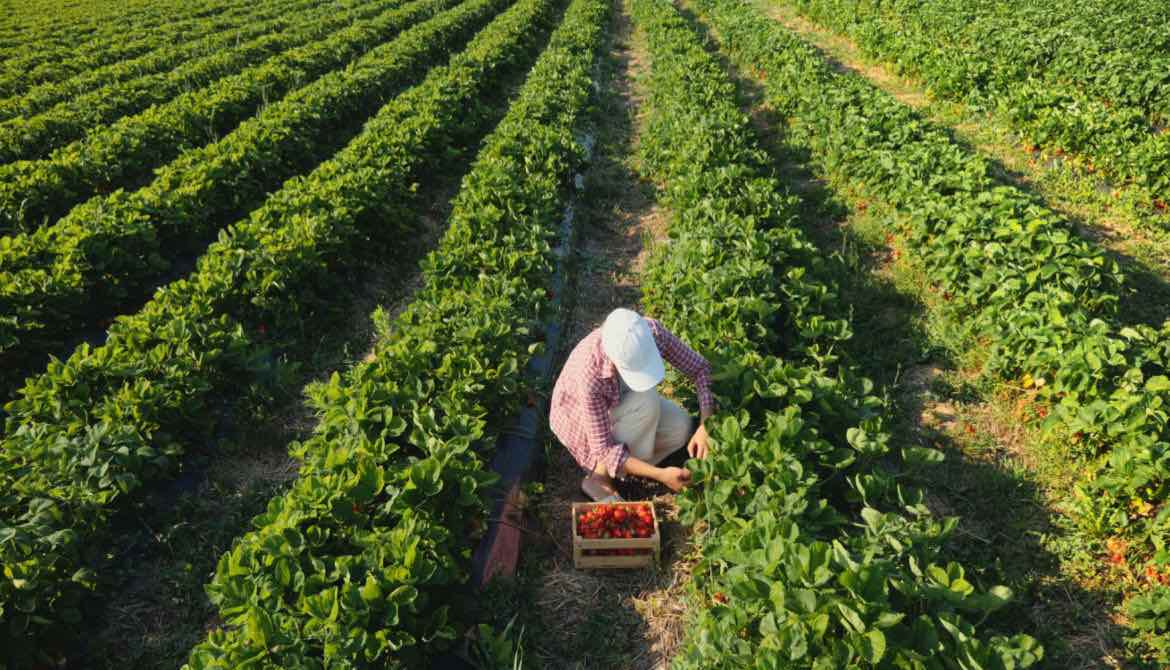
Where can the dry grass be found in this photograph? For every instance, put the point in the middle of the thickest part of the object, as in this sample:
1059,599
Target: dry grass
628,619
641,612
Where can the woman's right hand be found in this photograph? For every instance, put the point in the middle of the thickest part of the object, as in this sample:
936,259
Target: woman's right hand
675,479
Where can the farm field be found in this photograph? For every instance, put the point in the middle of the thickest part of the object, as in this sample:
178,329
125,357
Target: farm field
282,282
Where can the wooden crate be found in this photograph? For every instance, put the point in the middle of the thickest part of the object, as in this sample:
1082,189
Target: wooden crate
581,544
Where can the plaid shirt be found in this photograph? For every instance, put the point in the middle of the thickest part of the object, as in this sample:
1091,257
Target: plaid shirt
588,388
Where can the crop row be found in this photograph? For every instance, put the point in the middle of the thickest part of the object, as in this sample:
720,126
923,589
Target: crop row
35,87
1058,27
34,193
1137,28
53,60
372,543
812,555
88,434
993,48
209,38
59,280
86,18
1040,300
37,136
1060,93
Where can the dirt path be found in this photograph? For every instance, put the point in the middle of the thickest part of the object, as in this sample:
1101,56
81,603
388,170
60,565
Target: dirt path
999,478
630,620
1118,218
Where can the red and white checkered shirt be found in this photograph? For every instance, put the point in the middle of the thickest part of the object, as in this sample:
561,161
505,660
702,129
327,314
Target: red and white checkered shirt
588,388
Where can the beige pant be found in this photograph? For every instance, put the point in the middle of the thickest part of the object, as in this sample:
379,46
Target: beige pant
651,426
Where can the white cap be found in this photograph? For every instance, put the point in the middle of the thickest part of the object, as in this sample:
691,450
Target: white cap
627,340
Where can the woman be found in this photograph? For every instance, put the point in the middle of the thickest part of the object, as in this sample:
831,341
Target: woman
607,413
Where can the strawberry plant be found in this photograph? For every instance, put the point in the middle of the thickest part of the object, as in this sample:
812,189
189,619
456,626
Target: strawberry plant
35,136
36,192
395,469
1040,300
1063,87
118,416
812,553
66,50
113,249
222,31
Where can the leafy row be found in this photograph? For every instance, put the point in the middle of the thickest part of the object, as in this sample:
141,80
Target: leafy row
91,432
1134,27
995,46
1062,91
20,28
812,554
33,193
59,280
1039,299
71,54
38,135
358,565
84,18
207,37
36,192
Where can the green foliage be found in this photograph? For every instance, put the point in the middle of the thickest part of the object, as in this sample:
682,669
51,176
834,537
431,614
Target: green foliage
393,474
498,651
69,48
35,136
206,35
813,554
124,152
1091,78
1150,615
106,141
93,430
1040,300
60,278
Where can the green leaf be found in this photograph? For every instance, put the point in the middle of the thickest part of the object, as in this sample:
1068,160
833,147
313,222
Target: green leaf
371,591
851,617
922,456
258,627
1158,384
874,646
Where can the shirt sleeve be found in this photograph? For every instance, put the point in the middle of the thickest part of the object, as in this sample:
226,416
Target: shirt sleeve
599,433
687,361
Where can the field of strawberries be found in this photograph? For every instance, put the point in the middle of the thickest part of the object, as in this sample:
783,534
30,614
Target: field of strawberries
214,456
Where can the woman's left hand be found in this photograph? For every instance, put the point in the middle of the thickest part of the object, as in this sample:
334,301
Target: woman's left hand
698,447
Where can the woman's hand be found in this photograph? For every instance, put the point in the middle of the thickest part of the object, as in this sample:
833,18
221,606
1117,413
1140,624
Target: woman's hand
675,479
699,446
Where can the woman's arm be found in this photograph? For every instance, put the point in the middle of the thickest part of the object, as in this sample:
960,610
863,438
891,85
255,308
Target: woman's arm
687,361
674,478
